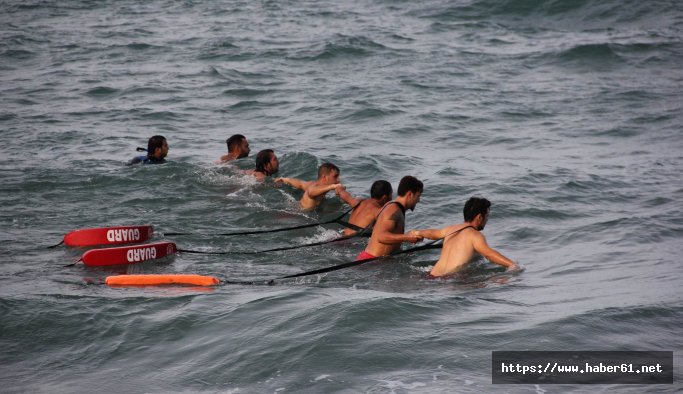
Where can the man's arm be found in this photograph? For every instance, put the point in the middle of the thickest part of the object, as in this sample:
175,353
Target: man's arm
297,183
386,228
483,248
314,191
346,196
432,233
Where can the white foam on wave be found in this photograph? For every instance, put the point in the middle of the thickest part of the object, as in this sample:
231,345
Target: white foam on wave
393,385
310,279
322,234
220,176
423,270
287,196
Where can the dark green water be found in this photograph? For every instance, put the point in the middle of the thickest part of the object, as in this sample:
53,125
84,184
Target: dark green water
565,114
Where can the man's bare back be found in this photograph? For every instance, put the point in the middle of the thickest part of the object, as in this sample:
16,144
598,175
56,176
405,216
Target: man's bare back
363,215
463,241
458,249
365,211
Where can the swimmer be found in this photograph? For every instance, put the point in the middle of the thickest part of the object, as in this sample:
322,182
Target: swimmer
461,241
315,191
267,164
238,147
157,149
388,233
365,210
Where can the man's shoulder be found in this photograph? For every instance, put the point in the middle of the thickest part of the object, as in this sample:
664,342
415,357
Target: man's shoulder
471,233
391,211
368,207
308,184
367,203
463,228
259,175
137,159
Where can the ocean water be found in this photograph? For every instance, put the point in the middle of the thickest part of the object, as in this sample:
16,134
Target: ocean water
565,114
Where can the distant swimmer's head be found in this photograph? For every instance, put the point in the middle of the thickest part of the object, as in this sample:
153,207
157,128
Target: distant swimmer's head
157,147
238,146
410,188
328,173
381,190
267,162
476,211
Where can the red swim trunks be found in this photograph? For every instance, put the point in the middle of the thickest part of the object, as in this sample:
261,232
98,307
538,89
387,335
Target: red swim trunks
364,256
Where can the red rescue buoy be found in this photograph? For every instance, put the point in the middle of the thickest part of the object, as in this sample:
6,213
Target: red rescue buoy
128,254
161,279
109,236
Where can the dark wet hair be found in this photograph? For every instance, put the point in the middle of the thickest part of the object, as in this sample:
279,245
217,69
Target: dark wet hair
327,168
234,140
154,142
380,189
475,206
409,184
262,160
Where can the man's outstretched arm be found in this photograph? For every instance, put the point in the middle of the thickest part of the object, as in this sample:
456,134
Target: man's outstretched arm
492,255
297,183
316,191
346,196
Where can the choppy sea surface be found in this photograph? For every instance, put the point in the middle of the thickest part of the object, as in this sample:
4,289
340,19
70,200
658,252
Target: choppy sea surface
565,114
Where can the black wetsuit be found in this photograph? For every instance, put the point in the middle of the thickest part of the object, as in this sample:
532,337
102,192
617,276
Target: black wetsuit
146,160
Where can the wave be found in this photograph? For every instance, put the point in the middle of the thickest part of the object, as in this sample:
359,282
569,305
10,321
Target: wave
578,10
141,46
367,113
650,323
17,54
342,46
246,92
254,104
102,91
600,52
143,91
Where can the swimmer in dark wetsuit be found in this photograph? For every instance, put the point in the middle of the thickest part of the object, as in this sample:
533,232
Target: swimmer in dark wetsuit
157,149
462,241
388,233
365,210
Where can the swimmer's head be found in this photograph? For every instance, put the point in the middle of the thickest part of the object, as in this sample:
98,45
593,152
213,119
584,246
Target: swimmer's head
381,190
157,147
477,209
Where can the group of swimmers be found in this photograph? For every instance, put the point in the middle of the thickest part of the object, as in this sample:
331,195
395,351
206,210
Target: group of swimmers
381,212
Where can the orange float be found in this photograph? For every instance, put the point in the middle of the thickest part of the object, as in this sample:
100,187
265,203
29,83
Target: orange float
161,279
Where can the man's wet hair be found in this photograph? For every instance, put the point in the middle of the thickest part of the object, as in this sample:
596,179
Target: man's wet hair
475,206
409,184
154,142
262,160
234,141
327,168
380,189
